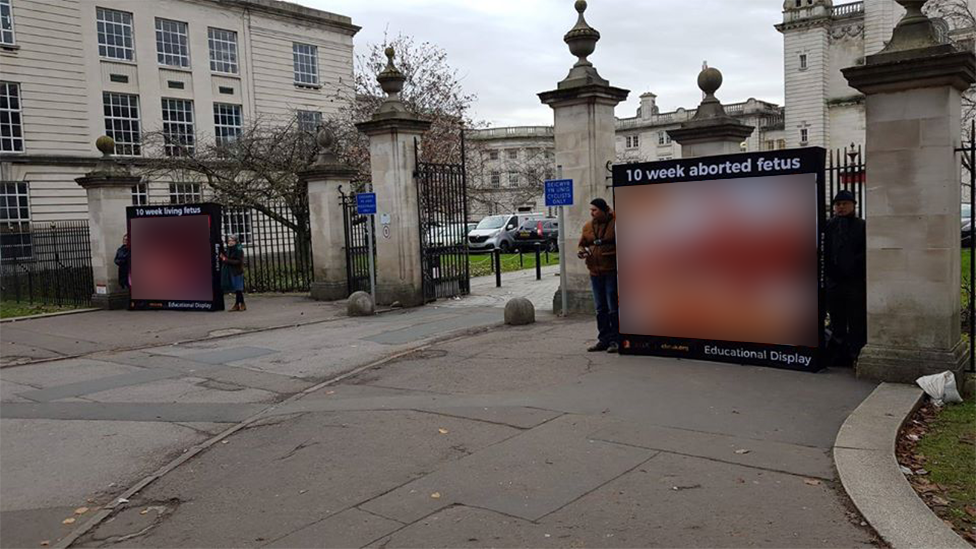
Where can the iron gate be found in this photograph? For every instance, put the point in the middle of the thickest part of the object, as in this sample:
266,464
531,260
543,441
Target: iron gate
48,263
443,208
357,243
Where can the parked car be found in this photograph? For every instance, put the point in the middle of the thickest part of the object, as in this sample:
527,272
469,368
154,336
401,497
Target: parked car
967,234
498,231
452,234
541,231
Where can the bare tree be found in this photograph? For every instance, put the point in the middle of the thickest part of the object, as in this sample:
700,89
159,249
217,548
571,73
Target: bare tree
502,185
256,168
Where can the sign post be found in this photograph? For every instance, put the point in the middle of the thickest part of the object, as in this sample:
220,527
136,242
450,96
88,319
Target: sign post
366,205
559,193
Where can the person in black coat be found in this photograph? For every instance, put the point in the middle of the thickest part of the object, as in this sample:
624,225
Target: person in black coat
123,258
846,280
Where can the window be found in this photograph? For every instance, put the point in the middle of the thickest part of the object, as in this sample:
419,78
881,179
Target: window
306,59
11,128
496,180
6,24
115,34
744,146
237,221
780,143
15,239
632,141
227,123
663,138
223,50
492,155
803,61
178,127
309,121
184,193
665,158
140,194
122,122
172,44
512,154
804,135
513,179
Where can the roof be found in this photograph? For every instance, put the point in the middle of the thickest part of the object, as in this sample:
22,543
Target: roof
310,16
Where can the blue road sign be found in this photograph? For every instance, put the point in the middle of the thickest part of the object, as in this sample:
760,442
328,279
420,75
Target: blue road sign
366,203
559,192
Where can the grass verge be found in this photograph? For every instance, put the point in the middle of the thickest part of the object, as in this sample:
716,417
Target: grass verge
480,264
11,309
943,461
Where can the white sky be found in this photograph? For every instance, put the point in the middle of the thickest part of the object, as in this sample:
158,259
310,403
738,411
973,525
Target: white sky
507,51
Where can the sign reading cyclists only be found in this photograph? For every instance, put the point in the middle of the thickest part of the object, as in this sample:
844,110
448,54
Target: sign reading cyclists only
559,193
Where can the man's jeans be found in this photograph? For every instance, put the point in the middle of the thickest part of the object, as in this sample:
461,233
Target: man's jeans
605,299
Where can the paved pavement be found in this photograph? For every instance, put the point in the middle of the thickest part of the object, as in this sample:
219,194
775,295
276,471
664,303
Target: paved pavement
507,437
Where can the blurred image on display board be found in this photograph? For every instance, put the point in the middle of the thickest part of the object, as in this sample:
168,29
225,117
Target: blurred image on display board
171,258
723,260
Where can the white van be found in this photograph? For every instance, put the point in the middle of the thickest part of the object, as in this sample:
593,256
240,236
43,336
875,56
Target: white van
498,231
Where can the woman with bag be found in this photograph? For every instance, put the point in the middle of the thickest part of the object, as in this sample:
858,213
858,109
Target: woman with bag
232,271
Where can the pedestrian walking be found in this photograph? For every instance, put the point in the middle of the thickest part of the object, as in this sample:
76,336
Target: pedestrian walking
123,259
232,271
846,281
598,246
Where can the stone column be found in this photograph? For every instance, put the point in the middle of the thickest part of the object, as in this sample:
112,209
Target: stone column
584,129
913,90
109,190
324,179
711,131
393,132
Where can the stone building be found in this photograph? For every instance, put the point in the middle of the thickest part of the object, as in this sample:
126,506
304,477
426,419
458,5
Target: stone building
507,165
73,70
506,168
820,39
644,137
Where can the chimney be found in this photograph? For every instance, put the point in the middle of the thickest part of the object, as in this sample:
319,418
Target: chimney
648,105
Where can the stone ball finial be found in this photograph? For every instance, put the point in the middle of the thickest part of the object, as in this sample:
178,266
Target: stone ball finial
105,145
324,138
389,53
580,6
710,80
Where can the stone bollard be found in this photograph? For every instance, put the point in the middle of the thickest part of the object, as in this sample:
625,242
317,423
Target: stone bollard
519,312
360,304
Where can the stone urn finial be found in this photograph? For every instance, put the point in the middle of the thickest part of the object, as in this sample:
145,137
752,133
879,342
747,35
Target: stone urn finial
582,38
391,79
915,30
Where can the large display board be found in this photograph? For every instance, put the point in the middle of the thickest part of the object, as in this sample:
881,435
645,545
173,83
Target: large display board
175,259
719,258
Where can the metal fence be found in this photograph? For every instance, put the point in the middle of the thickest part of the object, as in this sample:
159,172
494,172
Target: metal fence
276,240
46,263
967,151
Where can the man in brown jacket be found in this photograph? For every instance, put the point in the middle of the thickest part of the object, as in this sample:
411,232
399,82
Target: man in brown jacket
598,246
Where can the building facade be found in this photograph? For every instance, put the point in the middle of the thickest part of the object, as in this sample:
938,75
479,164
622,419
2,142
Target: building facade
820,39
506,168
195,70
507,165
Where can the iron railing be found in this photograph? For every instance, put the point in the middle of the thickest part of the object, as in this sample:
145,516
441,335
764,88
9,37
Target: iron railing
845,170
277,244
46,263
968,152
